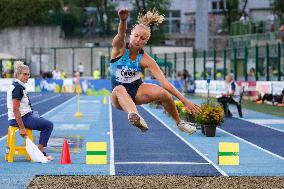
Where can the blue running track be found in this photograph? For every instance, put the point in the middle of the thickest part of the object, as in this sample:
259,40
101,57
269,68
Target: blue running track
158,151
162,150
263,137
41,102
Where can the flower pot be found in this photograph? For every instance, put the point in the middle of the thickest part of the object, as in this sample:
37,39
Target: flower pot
190,118
202,129
210,130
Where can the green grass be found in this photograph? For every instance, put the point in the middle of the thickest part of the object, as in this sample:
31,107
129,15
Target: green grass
263,108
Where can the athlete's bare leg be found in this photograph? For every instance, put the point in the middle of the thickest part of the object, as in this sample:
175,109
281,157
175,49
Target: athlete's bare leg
122,100
149,92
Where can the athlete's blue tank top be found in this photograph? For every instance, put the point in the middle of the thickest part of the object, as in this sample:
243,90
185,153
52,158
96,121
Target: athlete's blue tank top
125,71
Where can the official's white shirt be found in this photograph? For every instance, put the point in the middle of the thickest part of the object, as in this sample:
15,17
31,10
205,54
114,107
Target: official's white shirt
18,91
232,86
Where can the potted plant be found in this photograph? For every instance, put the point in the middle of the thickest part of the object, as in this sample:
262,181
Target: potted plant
211,116
183,113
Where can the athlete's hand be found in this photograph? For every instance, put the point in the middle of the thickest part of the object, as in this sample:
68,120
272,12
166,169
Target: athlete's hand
191,107
123,14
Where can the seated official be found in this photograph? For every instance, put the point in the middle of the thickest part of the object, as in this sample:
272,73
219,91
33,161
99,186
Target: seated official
20,112
232,95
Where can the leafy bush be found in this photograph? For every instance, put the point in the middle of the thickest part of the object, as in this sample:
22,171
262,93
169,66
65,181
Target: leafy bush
212,114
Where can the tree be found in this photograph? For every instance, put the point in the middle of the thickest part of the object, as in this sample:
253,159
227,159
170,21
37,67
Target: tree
244,7
231,12
142,6
278,9
107,13
24,12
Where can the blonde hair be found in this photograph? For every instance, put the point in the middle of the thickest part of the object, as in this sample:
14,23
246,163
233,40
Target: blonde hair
150,18
19,66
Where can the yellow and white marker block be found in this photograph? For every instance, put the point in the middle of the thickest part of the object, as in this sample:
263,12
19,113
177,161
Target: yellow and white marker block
96,153
228,153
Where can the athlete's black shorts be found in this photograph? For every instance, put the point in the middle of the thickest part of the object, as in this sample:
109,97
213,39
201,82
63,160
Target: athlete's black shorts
131,88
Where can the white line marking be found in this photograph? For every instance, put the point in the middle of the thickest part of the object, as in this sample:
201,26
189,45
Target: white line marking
261,122
55,108
162,163
2,115
111,157
46,99
245,141
186,142
39,102
4,137
267,121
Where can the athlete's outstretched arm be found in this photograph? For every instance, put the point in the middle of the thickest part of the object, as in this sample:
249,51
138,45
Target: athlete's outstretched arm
118,43
150,63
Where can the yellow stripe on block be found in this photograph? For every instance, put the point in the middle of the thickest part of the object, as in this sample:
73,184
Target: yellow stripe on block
228,153
229,160
96,146
228,147
97,153
95,159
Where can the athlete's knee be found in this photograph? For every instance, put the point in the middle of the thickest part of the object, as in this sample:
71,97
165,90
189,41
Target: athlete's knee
164,96
119,89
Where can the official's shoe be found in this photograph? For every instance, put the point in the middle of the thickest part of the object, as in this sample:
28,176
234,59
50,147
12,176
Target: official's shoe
229,114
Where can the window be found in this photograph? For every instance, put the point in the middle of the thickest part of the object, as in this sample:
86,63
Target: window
175,14
218,5
172,24
175,26
221,5
214,5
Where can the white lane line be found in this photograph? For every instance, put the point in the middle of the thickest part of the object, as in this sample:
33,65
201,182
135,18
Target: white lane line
186,142
254,145
111,157
55,108
267,121
36,96
162,163
2,115
4,137
36,103
46,99
263,122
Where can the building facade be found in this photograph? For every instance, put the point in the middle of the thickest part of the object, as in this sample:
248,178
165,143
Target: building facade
181,20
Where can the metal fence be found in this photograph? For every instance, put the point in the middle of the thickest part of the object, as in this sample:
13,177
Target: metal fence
247,63
264,63
45,60
252,27
254,39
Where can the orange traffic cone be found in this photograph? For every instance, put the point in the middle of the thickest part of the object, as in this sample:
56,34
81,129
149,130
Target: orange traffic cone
65,156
